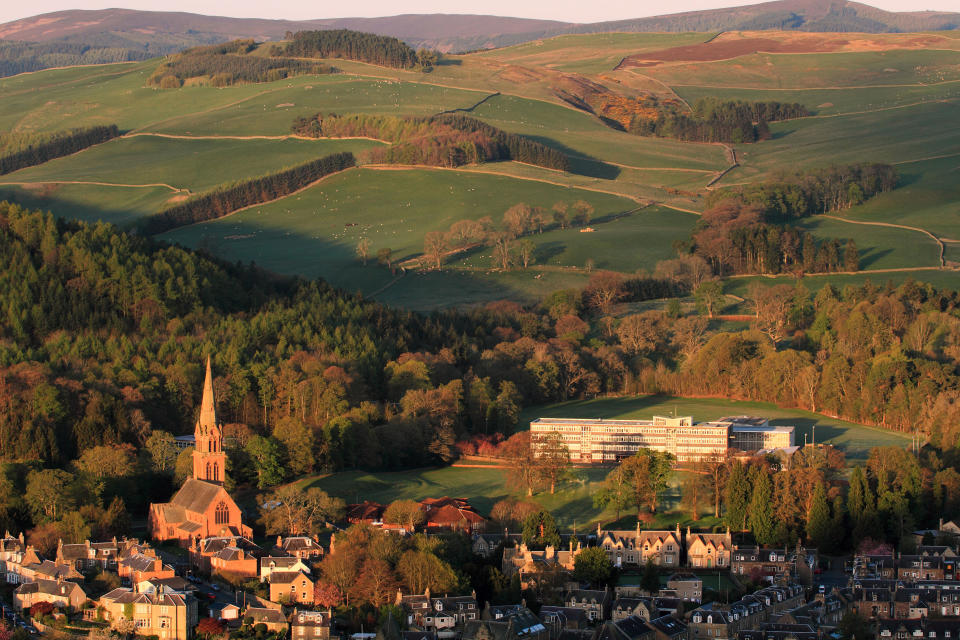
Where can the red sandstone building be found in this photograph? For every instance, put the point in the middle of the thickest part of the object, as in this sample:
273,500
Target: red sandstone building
202,508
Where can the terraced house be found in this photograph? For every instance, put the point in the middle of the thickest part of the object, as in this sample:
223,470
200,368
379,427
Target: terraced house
708,550
635,548
723,622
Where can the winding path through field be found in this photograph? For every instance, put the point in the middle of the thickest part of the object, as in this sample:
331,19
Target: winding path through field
99,184
894,226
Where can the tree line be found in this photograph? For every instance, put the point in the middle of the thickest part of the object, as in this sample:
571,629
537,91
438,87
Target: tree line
227,199
20,57
449,140
227,64
355,45
19,151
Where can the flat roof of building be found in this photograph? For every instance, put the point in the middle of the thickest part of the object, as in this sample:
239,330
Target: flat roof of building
742,428
746,420
623,423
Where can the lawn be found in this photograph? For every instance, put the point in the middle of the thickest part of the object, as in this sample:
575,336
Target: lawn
856,440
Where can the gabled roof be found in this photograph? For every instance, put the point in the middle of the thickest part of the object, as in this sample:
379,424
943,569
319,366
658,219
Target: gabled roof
287,577
197,496
630,628
63,588
261,614
139,562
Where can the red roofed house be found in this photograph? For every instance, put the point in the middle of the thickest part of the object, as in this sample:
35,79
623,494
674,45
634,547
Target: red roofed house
226,556
452,513
202,507
143,566
365,512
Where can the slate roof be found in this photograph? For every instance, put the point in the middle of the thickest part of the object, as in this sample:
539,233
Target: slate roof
139,562
669,626
50,587
128,596
630,628
266,616
286,577
196,495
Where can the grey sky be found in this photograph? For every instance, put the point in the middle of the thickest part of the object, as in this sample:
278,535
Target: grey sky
567,10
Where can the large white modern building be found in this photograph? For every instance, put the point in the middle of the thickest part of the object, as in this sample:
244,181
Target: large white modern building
599,441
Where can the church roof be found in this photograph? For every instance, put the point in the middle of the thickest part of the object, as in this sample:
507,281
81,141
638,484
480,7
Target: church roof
196,495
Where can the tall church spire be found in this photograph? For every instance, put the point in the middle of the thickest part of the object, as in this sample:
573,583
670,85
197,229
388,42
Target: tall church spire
208,404
209,461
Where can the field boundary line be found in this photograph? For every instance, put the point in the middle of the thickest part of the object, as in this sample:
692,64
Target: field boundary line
828,88
72,66
204,111
99,184
945,155
411,167
176,136
894,226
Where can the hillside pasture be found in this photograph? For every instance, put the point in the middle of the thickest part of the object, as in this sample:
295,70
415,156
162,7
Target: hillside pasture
315,233
193,164
880,247
122,206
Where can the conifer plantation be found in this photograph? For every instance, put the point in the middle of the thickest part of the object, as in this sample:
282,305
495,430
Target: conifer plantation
19,151
449,140
351,45
227,199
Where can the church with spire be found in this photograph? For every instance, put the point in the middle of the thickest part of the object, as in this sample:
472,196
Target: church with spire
202,507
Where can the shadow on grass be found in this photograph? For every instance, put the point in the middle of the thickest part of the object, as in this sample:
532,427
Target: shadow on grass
581,163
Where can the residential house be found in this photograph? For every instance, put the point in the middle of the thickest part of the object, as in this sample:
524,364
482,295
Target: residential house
88,555
635,548
923,628
365,512
629,628
272,619
291,587
557,619
626,606
140,567
436,613
269,564
175,584
910,603
772,564
919,567
722,622
62,593
669,628
452,514
304,547
708,550
777,631
310,625
687,586
595,602
512,622
530,564
169,616
486,544
231,555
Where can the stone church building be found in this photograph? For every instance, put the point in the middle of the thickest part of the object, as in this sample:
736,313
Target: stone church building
202,507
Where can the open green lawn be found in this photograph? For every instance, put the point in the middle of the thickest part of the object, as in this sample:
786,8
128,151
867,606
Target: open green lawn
197,165
571,505
856,440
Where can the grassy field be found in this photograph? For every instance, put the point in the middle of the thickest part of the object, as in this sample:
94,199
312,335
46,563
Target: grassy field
118,205
195,165
880,247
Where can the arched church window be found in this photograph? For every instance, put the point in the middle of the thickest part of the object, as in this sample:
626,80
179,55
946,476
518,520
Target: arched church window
222,514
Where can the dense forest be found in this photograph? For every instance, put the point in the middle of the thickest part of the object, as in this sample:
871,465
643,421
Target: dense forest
807,193
21,57
744,230
449,140
103,337
26,150
354,45
227,199
226,64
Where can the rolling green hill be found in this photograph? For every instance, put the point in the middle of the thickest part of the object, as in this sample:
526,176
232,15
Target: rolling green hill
891,98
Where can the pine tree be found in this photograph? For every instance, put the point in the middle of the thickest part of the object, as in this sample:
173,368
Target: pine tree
818,519
737,497
760,512
838,525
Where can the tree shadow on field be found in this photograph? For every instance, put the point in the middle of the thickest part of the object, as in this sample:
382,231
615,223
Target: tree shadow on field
871,255
580,162
549,250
